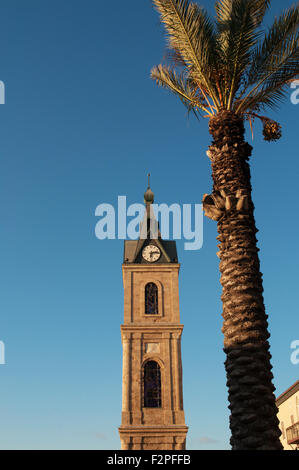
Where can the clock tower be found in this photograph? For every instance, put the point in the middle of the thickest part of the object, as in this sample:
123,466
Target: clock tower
152,395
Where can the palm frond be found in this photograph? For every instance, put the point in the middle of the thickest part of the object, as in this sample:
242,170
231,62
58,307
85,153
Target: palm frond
227,65
259,9
174,57
181,86
275,62
223,10
265,98
191,32
238,32
283,32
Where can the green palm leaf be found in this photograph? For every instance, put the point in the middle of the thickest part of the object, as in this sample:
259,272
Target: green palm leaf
191,32
180,86
238,31
282,31
275,62
225,64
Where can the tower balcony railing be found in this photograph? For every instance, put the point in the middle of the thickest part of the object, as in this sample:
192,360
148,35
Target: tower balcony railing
293,433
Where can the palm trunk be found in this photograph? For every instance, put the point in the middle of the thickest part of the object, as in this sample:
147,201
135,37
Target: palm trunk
253,420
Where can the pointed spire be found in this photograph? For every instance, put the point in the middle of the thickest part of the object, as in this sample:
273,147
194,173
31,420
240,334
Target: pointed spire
148,195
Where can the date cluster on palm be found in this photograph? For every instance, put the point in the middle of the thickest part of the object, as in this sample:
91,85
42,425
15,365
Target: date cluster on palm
271,130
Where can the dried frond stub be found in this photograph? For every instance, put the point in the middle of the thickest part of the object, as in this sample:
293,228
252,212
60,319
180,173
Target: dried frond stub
271,130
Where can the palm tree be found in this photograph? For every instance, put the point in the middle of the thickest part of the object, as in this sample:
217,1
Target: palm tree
228,70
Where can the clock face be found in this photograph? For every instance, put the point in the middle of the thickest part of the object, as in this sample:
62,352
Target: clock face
151,253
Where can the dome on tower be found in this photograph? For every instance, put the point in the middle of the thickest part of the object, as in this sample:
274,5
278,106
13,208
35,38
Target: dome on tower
148,196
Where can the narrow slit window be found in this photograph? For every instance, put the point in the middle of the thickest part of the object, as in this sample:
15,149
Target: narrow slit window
152,385
151,299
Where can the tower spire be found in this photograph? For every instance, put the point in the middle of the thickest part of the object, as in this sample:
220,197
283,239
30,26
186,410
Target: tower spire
148,195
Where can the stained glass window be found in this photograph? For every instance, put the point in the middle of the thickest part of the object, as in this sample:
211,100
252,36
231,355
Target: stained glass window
151,299
152,385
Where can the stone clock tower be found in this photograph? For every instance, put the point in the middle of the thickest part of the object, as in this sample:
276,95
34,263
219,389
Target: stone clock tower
152,395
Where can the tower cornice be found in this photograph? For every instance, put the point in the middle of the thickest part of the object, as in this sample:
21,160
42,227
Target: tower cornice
151,267
143,327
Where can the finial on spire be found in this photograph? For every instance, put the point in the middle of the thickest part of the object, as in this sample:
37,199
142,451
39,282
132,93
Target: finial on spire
148,195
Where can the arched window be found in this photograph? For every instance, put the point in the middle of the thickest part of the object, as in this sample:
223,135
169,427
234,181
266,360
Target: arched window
152,385
151,299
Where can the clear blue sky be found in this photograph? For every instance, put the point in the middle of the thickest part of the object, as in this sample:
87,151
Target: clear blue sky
82,124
